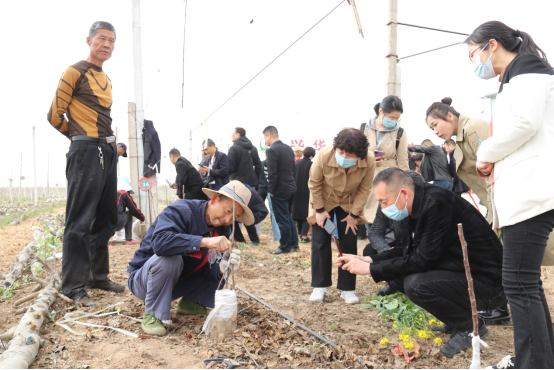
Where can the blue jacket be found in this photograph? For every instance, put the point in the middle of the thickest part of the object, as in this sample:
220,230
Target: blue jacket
257,206
178,230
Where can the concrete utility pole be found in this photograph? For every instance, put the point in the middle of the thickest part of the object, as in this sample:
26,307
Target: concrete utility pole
137,110
393,71
35,165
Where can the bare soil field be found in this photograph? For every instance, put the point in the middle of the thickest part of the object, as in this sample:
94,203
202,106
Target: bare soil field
283,281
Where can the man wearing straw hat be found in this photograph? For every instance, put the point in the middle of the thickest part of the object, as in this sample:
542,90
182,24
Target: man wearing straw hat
177,258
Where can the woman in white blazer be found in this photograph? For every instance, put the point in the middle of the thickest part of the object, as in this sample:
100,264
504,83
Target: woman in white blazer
518,160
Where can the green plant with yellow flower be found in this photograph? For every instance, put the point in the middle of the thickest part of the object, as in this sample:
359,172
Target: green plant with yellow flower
408,320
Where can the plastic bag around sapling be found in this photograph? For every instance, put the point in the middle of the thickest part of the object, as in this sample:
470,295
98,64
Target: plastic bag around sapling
225,307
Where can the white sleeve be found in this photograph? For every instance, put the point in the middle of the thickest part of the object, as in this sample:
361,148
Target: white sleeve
527,96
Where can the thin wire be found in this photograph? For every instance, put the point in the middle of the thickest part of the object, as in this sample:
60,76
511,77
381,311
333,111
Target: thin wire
429,28
428,51
184,38
263,69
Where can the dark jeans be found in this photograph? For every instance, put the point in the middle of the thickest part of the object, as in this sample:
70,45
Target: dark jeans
524,246
322,254
262,192
448,185
252,233
125,220
303,227
282,207
91,214
444,294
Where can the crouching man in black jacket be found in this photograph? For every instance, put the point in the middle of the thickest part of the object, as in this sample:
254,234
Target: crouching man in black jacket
126,209
431,270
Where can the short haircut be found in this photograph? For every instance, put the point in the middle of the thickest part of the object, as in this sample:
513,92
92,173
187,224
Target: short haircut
240,131
272,131
174,152
235,177
427,141
210,142
309,152
450,142
394,179
416,177
418,157
353,141
100,25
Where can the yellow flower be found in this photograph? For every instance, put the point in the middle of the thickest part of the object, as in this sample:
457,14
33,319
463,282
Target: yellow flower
384,341
395,325
440,323
437,340
433,322
421,334
409,345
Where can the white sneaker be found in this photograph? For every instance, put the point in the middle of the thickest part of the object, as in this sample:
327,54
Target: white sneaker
349,296
318,294
119,236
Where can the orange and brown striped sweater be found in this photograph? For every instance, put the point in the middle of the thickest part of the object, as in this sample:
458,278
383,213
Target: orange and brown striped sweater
84,95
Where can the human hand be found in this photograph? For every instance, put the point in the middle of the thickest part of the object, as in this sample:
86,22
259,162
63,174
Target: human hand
219,243
321,217
232,260
378,161
354,265
202,169
361,258
485,167
351,223
174,186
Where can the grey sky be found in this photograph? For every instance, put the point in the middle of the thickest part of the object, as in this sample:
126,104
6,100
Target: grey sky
329,80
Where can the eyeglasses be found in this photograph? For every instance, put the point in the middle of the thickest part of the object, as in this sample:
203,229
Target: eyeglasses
471,55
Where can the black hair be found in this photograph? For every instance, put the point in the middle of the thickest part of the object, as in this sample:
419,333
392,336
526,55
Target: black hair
308,152
389,104
418,157
450,142
353,141
440,109
235,177
210,143
394,178
512,40
272,131
174,152
240,131
416,177
427,141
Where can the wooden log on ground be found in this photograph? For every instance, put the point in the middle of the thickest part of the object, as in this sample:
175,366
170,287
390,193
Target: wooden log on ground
23,260
23,348
26,299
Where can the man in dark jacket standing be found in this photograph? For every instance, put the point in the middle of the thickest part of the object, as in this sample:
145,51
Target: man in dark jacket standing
244,159
188,181
431,270
217,169
280,177
434,166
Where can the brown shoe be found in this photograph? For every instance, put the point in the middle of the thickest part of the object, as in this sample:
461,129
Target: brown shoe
82,299
107,285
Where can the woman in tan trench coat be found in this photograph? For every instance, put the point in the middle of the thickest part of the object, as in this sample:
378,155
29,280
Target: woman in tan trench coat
385,134
340,180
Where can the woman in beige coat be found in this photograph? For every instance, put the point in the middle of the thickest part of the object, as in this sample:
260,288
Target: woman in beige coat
340,180
386,137
446,122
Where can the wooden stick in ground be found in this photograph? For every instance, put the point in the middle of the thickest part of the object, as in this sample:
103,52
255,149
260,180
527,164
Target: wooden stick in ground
470,289
63,297
36,288
247,351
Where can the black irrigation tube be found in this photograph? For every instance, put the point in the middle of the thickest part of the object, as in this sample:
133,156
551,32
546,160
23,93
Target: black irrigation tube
321,338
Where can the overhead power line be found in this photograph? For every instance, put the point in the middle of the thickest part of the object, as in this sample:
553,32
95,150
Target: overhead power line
184,39
428,51
277,57
429,28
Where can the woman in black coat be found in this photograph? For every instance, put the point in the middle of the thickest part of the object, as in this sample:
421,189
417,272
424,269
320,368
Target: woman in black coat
301,200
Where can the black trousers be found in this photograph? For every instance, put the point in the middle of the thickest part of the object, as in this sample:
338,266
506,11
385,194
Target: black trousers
252,233
524,246
369,251
91,214
322,254
444,294
303,227
282,207
125,220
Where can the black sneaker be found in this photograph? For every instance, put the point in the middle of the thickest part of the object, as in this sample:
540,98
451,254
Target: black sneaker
295,248
500,316
81,298
461,341
107,285
507,362
386,290
445,329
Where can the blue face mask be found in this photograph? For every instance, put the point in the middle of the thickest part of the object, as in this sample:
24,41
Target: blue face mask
394,213
343,162
483,70
388,123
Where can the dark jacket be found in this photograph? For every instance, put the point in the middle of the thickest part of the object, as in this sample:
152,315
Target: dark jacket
386,233
124,201
190,178
152,149
257,206
220,170
301,203
178,230
263,186
436,213
244,160
280,168
434,166
459,186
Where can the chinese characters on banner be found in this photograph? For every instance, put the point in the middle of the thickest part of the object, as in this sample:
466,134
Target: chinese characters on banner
317,144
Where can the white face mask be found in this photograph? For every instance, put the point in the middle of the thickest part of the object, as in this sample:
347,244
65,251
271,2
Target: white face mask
484,70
